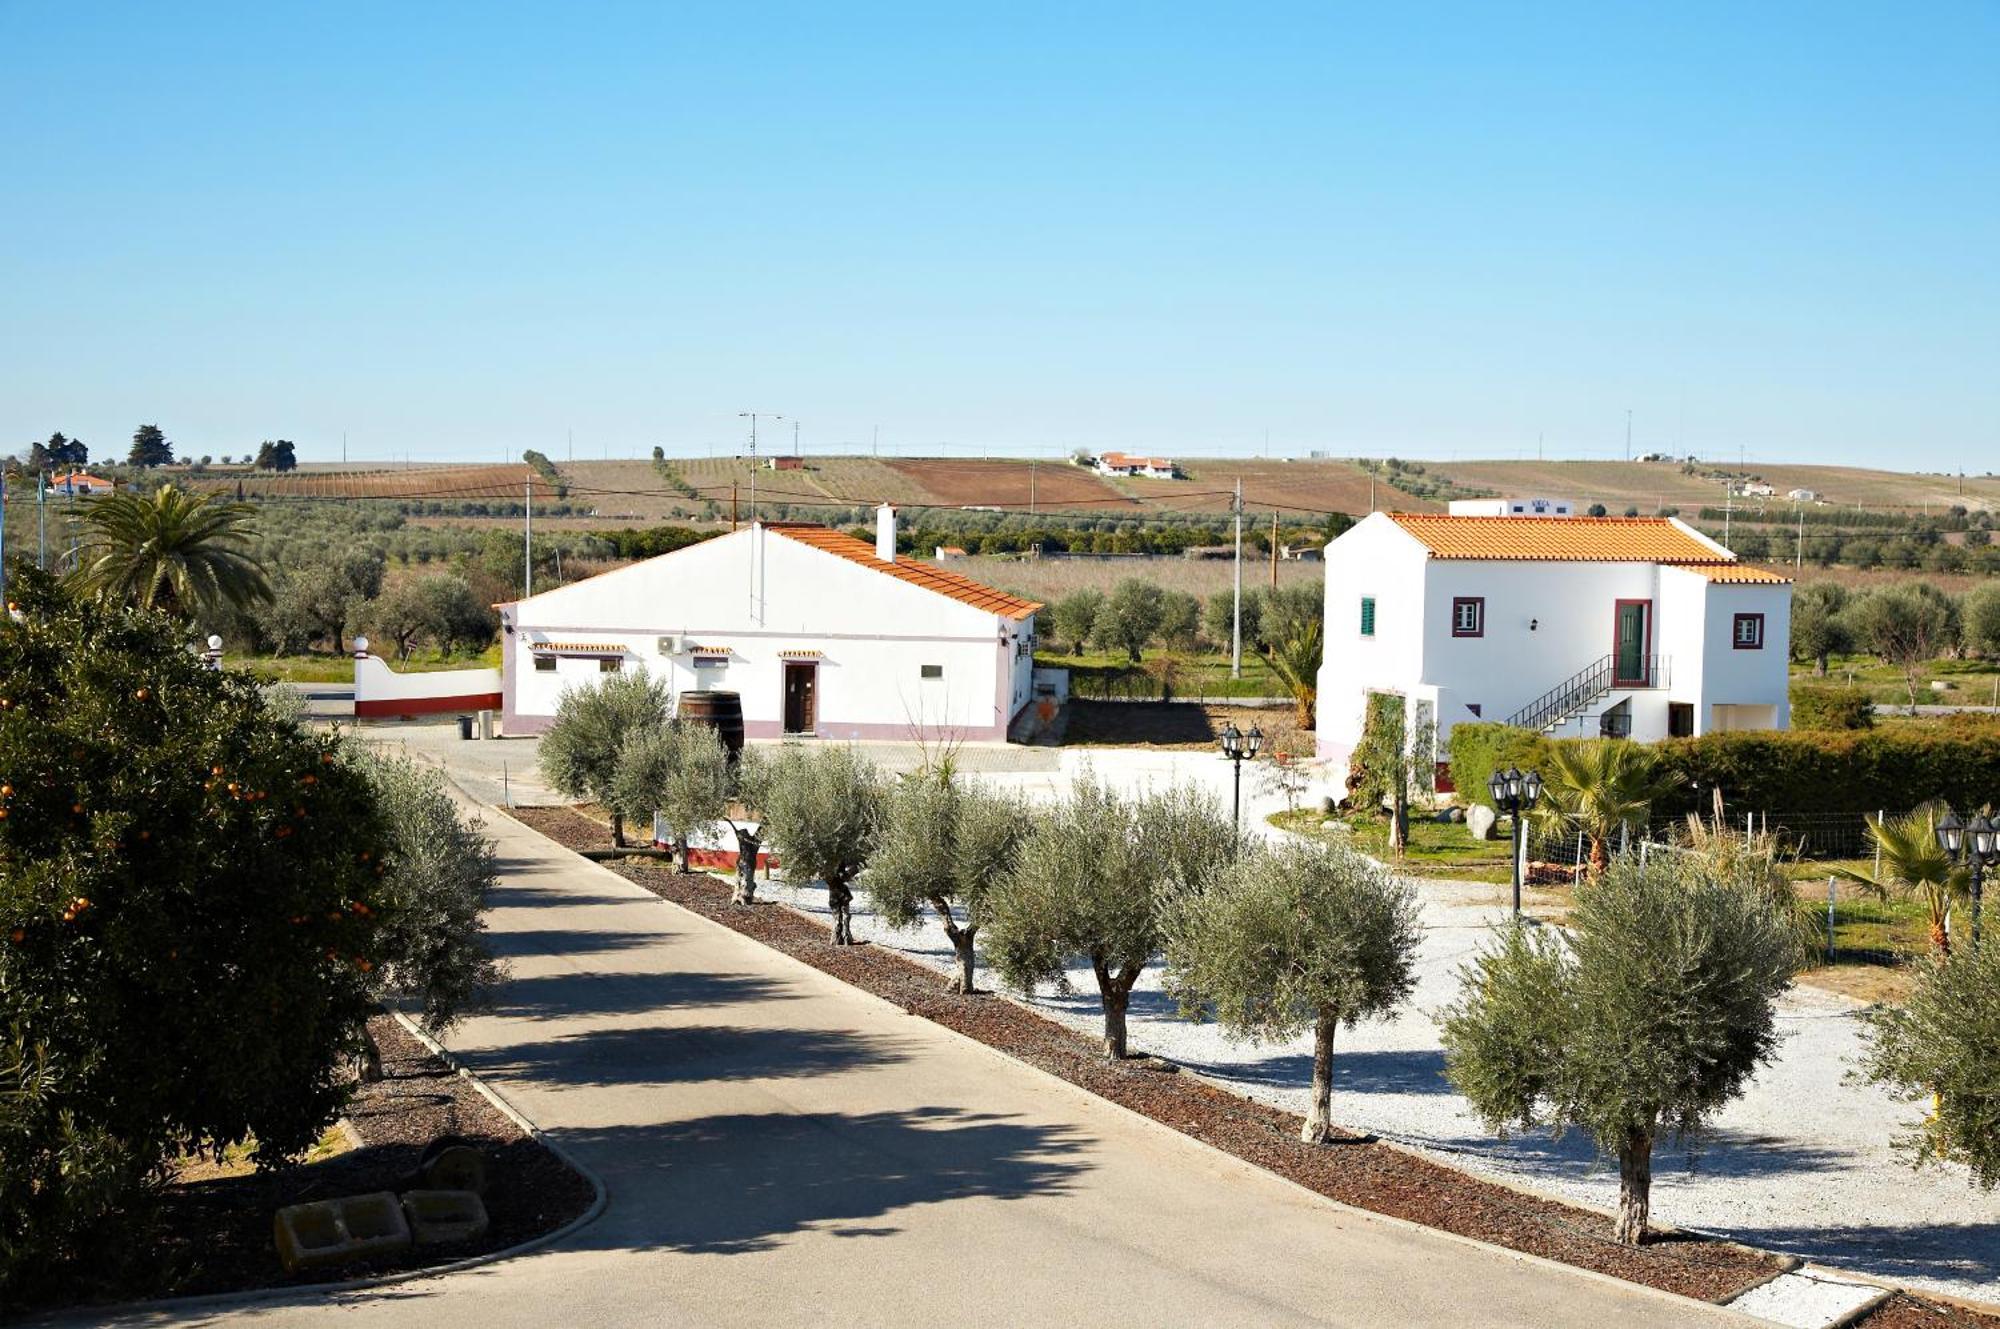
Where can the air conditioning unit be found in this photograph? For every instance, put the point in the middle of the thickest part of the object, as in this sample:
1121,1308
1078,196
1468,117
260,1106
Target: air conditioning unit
672,645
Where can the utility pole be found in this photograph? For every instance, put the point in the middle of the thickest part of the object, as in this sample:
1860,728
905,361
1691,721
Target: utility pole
732,505
751,416
1728,498
1799,550
796,450
1236,622
1274,549
42,520
1031,487
528,540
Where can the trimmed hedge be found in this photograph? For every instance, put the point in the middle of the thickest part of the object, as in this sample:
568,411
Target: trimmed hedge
1774,770
1831,706
1479,749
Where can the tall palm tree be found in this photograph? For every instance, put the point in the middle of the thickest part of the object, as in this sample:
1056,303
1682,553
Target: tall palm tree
1295,661
1599,787
1915,865
171,550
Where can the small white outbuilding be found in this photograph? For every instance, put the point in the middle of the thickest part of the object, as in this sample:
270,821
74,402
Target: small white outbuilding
1636,627
820,633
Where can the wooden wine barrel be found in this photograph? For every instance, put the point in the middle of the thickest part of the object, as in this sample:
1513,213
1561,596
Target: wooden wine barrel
722,711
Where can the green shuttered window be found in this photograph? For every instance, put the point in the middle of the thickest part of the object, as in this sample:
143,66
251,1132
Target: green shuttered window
1367,615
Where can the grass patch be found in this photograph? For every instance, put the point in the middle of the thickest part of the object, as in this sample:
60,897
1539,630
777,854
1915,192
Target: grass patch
1971,682
1436,848
1192,676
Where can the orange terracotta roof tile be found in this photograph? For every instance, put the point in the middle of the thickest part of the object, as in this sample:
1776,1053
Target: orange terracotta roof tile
1558,539
1739,574
930,577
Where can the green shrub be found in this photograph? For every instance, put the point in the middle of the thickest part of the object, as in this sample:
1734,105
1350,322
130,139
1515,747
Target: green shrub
191,905
1816,706
1478,750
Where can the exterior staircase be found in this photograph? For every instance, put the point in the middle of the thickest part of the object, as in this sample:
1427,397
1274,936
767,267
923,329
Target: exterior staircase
1584,689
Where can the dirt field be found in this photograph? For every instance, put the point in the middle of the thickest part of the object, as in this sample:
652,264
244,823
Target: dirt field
1322,486
1658,484
1016,483
1049,579
444,483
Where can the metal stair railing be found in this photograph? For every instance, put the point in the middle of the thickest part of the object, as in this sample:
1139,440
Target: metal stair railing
1579,691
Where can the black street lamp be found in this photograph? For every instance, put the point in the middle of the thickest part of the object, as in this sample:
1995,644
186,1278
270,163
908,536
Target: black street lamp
1515,794
1239,747
1977,845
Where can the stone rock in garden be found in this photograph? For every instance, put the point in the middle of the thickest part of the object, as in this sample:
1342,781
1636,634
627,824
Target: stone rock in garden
1457,813
1479,820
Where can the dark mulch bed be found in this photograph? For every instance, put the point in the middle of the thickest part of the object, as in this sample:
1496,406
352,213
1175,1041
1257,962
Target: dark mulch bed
215,1236
1359,1172
1903,1311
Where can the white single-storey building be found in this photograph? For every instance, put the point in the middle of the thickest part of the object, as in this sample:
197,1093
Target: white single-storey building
820,633
1636,627
1512,507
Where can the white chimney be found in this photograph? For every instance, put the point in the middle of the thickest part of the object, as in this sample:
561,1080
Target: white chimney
885,533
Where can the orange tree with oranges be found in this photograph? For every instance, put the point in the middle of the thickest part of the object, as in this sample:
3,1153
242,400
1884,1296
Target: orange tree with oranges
191,896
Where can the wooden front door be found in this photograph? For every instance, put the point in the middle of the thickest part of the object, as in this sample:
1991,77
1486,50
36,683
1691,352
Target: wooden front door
1632,644
801,697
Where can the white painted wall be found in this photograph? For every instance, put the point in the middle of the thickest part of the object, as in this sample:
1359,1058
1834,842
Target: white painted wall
1573,609
759,594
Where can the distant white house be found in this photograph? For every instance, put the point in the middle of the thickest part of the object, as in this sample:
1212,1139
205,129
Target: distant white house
1636,627
1802,495
1151,468
1757,489
820,633
1512,507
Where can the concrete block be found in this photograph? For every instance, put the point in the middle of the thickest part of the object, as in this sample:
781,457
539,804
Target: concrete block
332,1232
436,1217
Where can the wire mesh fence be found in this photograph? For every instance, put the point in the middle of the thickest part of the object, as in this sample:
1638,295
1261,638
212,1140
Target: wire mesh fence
1815,835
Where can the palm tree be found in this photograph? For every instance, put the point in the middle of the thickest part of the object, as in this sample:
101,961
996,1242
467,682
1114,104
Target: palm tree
1914,864
1295,661
170,550
1598,788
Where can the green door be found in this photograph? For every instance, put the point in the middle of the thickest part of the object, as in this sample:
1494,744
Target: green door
1629,667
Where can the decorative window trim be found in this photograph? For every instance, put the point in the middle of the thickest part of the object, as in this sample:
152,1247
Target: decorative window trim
1477,604
1755,639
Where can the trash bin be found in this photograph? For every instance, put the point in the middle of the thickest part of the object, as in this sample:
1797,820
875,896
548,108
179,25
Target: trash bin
465,726
485,725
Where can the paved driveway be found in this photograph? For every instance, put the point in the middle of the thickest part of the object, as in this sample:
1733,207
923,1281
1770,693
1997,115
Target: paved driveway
780,1149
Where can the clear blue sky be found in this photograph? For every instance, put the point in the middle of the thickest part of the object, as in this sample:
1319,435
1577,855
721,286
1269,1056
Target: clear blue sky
1431,231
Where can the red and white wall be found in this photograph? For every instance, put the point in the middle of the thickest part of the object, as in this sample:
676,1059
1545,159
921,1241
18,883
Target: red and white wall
380,693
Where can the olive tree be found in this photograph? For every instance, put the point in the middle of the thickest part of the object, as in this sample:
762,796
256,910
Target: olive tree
823,814
431,946
591,727
944,846
683,772
1090,880
1943,1044
1309,935
1647,1017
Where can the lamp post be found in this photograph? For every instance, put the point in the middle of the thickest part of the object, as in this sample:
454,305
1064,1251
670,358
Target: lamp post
1976,844
1239,746
1515,794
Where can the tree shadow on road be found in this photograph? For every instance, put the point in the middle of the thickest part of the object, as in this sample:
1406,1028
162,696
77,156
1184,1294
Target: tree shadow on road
527,942
691,1054
577,993
741,1183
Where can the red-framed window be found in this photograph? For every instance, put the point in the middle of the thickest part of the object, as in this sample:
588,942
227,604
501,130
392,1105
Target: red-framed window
1468,616
1747,634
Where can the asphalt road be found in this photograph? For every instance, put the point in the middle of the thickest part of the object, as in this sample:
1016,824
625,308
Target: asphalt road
780,1149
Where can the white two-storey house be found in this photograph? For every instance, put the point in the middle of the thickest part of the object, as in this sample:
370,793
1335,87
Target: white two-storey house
1636,627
